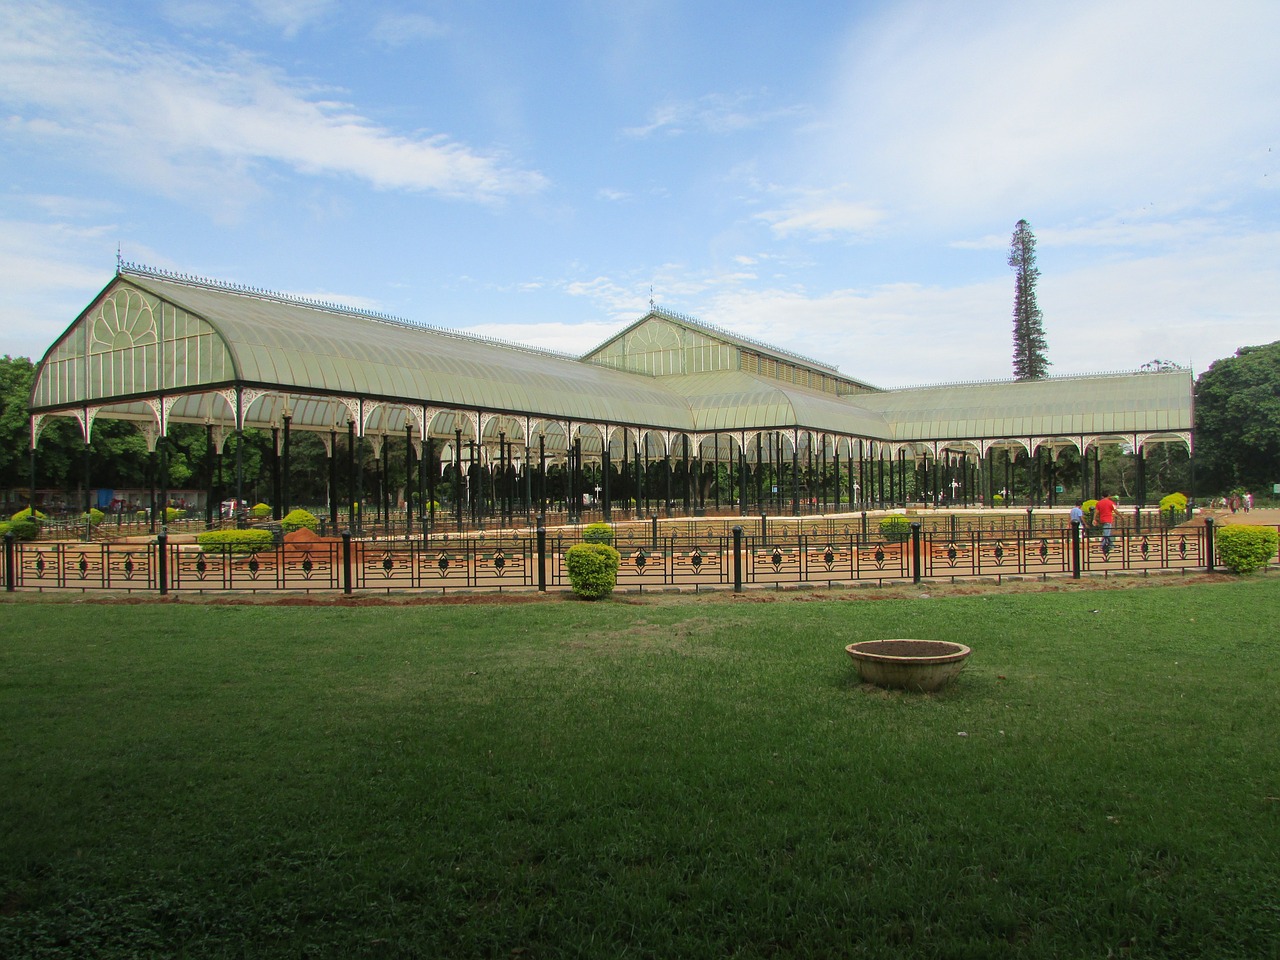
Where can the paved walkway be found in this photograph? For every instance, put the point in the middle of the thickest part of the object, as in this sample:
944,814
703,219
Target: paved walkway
1261,517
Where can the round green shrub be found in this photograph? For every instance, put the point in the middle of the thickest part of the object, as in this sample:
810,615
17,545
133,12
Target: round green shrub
25,514
174,513
95,516
1173,507
260,511
297,519
24,529
597,533
895,529
235,541
1244,549
593,569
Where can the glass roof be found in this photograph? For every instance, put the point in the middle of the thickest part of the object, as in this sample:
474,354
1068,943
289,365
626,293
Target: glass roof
193,342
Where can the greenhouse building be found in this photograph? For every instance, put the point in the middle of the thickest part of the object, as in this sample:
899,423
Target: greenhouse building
670,414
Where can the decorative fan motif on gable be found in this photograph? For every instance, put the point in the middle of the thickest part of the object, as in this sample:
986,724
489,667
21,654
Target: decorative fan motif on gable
126,320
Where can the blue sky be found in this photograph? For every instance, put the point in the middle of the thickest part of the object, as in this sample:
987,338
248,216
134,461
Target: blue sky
837,179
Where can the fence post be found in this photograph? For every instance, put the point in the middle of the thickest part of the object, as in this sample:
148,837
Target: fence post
764,528
346,562
1075,549
654,532
915,551
1031,523
162,541
10,564
542,557
737,559
1208,545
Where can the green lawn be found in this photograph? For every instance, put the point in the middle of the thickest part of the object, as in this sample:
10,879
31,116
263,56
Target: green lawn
674,777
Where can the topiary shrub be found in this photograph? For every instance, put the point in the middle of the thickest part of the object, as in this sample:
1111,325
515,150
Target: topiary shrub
297,519
895,529
95,516
592,569
260,511
26,515
997,499
1243,549
1173,508
174,513
235,541
24,529
597,533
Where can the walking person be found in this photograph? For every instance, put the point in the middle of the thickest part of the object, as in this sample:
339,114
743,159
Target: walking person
1106,513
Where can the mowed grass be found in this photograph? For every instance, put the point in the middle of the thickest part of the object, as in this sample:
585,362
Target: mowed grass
673,777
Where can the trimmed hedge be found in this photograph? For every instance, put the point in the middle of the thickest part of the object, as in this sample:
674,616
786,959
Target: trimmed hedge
1244,549
1173,508
297,519
235,541
597,533
26,514
895,529
260,511
96,516
24,529
593,569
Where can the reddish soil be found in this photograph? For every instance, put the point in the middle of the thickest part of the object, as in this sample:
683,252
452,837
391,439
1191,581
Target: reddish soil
798,594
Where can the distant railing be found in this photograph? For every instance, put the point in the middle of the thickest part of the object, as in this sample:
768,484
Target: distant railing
659,556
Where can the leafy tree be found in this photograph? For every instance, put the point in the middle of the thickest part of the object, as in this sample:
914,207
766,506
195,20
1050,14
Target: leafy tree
1238,420
1029,344
15,436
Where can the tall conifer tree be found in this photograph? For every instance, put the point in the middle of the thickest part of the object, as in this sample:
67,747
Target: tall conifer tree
1029,344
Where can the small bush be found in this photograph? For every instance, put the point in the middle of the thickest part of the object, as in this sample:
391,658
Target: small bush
24,529
1173,508
260,511
235,541
26,514
297,519
95,516
174,513
1243,549
895,529
597,533
997,499
593,569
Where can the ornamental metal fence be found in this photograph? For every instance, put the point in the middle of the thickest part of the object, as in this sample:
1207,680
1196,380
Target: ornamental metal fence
686,560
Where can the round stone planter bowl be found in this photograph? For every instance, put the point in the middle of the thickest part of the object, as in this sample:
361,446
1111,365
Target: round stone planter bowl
919,665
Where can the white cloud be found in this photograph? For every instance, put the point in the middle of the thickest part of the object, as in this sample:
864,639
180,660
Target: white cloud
714,113
1193,306
823,215
182,125
950,111
287,16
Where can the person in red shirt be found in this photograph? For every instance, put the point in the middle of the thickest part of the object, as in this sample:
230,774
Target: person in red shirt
1106,512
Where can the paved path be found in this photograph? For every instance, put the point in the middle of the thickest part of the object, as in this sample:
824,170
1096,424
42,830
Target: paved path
1259,516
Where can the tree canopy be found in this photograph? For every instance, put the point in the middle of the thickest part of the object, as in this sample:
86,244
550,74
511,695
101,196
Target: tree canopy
1238,420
